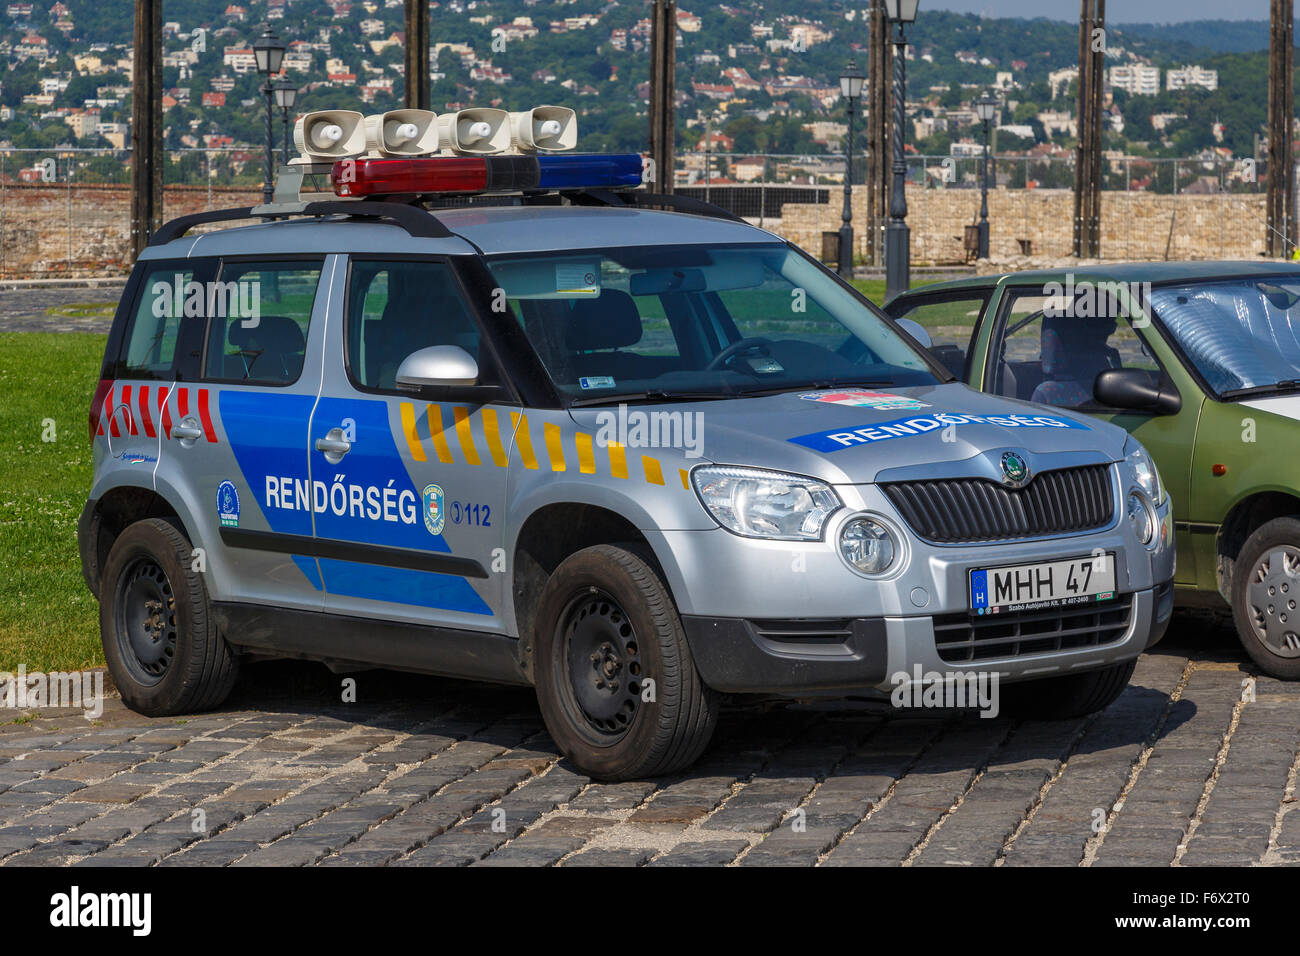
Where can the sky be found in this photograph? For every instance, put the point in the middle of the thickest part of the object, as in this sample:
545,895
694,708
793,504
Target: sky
1117,11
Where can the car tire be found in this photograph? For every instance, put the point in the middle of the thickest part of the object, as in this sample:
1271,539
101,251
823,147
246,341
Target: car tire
1064,698
1266,597
156,624
605,624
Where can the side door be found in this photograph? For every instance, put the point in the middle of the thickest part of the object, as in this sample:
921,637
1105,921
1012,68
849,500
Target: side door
1038,353
235,428
410,514
149,356
951,318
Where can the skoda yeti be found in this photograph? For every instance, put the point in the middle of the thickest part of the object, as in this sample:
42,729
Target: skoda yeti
638,458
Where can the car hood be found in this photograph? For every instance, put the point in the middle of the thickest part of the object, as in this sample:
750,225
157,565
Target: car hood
859,435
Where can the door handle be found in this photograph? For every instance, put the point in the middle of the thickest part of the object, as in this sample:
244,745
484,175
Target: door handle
187,429
334,446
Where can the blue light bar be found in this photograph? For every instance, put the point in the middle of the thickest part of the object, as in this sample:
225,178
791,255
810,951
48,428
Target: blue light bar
589,171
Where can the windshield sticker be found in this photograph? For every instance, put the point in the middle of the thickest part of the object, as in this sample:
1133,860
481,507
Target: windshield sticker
577,279
882,401
840,438
596,381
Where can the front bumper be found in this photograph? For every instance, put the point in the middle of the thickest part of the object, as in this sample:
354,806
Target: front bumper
821,657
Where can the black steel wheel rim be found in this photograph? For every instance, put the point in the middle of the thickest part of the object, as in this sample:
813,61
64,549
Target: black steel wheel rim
146,621
600,669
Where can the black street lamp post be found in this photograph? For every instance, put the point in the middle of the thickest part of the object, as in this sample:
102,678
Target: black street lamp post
850,89
285,95
984,108
268,51
898,252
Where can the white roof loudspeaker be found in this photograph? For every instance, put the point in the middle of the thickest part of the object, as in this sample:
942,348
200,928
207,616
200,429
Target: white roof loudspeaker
402,133
328,135
544,129
476,131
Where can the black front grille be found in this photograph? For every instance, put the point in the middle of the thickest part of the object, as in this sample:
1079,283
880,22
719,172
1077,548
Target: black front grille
963,510
963,637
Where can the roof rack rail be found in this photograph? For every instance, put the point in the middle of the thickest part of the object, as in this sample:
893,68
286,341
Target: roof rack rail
637,198
419,223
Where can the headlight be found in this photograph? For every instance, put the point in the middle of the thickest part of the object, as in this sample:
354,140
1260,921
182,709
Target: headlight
757,503
1140,516
867,545
1144,471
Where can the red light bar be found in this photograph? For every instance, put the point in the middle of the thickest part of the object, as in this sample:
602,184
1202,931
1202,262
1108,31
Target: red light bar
374,177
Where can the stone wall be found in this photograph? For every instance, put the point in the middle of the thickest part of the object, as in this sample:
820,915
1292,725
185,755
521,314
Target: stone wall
49,231
1135,225
53,231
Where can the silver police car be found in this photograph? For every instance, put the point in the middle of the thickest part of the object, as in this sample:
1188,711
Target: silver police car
634,457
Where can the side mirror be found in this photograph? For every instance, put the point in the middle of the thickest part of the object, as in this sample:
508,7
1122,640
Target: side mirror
446,365
443,369
916,330
1132,389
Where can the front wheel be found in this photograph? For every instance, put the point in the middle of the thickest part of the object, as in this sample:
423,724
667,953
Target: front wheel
160,642
1265,595
616,682
1063,698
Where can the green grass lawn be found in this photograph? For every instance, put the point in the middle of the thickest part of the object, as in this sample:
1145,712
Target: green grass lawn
48,620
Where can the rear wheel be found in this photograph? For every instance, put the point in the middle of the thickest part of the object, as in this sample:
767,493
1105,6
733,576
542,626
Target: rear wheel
156,625
616,682
1266,595
1061,698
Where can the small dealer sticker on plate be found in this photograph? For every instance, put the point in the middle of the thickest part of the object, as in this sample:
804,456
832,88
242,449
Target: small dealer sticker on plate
1048,584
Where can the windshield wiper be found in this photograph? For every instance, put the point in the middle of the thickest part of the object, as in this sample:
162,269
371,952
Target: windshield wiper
1289,385
815,387
651,396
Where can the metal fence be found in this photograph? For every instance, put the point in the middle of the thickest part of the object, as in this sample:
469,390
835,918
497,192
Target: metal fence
66,212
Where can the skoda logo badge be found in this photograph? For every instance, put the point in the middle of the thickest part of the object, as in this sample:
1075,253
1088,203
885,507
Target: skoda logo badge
1015,471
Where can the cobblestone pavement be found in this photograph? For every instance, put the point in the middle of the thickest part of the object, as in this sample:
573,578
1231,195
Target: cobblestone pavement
423,771
24,309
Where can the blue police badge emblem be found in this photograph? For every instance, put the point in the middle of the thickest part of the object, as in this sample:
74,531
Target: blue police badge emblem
434,516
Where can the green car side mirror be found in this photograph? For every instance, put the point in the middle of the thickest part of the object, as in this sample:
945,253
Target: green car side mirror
1133,389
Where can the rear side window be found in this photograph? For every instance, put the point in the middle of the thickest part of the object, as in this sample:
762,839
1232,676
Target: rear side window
260,314
153,329
399,307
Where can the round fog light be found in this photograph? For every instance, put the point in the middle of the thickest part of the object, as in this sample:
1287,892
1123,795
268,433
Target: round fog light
1140,515
867,545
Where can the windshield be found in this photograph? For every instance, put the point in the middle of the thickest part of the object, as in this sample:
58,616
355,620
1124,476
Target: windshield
699,322
1241,334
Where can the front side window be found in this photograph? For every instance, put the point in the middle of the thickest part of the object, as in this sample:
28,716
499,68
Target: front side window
259,314
1242,334
1051,352
699,321
396,307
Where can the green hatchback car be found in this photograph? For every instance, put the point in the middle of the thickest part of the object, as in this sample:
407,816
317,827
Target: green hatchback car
1201,362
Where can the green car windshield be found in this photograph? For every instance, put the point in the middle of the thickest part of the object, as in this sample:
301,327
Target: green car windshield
1241,335
698,321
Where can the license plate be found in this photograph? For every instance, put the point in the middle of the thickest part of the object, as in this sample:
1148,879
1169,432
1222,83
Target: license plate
1048,584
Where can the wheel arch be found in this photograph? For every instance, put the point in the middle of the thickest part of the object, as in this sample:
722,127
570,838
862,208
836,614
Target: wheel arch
549,535
114,511
1251,511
